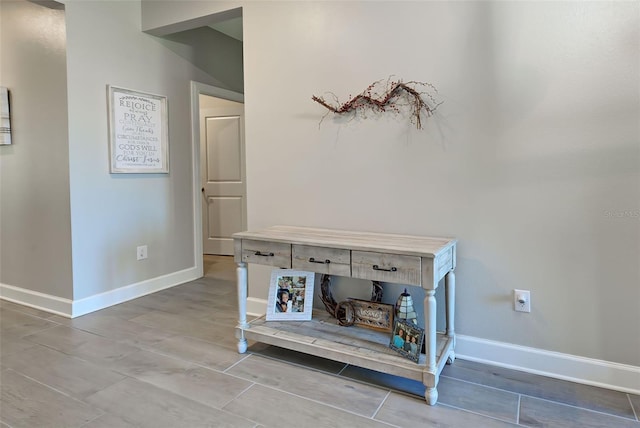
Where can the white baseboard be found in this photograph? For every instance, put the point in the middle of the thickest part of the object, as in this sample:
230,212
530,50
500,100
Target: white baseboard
75,308
133,291
256,307
34,299
589,371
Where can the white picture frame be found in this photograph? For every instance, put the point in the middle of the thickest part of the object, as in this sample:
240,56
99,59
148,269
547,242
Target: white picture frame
298,288
138,132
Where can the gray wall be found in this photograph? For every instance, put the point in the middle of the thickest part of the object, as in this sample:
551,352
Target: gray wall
211,51
68,227
35,225
531,162
112,214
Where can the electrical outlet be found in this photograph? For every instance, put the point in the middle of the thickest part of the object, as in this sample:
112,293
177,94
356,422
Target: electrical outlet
141,252
522,300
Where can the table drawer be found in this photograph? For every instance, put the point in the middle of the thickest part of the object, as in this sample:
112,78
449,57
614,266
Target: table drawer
386,267
266,253
332,261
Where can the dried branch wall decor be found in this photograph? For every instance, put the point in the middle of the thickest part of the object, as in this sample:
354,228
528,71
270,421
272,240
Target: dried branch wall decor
394,96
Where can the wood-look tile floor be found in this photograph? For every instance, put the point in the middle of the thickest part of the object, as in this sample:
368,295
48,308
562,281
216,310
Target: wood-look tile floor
169,360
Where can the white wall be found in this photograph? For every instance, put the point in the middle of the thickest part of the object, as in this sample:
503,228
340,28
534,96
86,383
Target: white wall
35,228
532,162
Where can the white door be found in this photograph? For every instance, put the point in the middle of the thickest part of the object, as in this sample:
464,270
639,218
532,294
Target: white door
223,173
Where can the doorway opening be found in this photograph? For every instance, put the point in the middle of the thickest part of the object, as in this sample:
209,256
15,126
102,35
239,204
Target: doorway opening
219,169
222,173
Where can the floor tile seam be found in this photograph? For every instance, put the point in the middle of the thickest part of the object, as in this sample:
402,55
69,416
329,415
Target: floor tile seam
5,355
80,329
338,375
240,394
198,365
633,408
318,402
581,408
71,356
535,397
495,418
90,362
94,419
56,350
67,395
343,369
481,384
300,365
195,364
179,332
17,310
254,384
221,408
384,400
313,369
40,330
244,357
92,332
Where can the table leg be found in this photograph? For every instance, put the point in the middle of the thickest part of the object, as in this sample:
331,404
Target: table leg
450,297
431,394
241,272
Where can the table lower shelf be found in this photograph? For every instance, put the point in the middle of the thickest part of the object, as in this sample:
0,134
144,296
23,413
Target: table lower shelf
323,337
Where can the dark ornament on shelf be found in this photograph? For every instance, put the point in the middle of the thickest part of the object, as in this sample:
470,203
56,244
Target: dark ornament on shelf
344,311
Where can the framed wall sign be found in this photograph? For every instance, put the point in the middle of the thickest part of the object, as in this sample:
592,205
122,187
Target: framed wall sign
138,132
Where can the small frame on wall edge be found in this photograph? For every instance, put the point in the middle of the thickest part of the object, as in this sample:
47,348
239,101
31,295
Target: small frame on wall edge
407,339
290,295
5,117
138,132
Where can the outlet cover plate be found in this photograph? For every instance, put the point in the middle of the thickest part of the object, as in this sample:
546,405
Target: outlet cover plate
519,295
141,252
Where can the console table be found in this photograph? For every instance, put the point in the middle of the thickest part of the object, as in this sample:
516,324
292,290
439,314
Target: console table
410,260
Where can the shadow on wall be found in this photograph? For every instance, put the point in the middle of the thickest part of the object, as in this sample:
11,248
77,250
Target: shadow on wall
203,47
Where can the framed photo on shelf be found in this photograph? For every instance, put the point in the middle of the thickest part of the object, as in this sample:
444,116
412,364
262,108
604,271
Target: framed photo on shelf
407,339
373,315
290,295
138,132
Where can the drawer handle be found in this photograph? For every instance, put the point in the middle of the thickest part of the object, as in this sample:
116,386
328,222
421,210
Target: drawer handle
258,253
393,268
326,262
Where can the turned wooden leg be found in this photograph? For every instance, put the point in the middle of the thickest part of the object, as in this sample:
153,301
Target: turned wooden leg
450,297
431,394
241,272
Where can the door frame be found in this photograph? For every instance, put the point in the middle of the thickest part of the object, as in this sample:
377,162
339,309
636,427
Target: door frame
198,88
